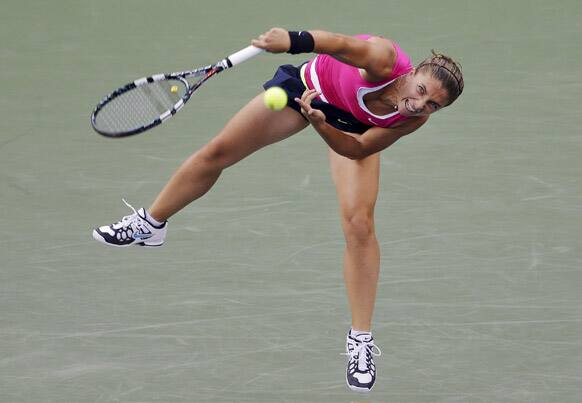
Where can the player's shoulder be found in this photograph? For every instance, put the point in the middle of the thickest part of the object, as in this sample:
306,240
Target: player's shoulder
382,57
382,43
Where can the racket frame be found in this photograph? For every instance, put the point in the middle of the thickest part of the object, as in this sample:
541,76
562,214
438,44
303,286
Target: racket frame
206,72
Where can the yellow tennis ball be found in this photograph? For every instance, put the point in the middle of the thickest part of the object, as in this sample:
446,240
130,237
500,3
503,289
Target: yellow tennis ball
174,88
275,98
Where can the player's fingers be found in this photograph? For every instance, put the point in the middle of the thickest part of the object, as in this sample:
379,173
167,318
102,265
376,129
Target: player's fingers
305,106
259,42
310,96
310,113
276,40
307,92
305,97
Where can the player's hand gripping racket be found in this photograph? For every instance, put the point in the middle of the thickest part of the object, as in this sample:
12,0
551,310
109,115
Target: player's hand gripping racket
149,101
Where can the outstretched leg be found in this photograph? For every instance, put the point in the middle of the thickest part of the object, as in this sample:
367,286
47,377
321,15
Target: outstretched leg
252,128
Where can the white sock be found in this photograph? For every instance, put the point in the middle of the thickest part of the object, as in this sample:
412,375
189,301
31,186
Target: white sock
356,333
152,219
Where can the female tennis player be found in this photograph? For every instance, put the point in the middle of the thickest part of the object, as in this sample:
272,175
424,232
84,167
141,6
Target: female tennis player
361,94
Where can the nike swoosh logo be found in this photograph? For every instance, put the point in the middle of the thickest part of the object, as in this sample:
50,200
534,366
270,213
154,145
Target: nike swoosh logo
374,123
140,235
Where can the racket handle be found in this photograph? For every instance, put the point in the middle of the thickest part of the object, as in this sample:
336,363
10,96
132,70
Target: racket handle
242,56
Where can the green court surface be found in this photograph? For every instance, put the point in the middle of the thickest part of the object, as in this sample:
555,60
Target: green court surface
479,215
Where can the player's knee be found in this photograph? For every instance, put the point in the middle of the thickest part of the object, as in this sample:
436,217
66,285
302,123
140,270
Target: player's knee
214,154
359,227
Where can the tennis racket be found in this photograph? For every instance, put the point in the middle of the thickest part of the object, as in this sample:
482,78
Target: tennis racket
149,101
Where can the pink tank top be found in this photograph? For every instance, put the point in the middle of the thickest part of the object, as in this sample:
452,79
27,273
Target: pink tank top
342,85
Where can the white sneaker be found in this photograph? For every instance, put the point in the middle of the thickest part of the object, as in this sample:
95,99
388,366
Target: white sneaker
133,229
361,370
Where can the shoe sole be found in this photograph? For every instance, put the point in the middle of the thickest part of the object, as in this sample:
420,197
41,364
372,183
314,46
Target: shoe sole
100,239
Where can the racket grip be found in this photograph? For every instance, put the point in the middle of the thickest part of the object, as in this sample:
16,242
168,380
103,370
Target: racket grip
242,56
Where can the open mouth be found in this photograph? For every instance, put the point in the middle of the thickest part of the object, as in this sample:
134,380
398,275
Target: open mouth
408,107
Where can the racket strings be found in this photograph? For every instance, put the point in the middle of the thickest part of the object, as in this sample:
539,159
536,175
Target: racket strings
140,106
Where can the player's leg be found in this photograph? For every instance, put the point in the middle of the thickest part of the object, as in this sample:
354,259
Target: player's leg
252,128
357,188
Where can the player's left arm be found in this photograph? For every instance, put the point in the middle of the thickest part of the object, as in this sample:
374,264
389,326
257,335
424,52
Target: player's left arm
351,145
374,140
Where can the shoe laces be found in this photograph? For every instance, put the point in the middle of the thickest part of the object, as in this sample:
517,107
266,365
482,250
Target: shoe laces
363,350
133,221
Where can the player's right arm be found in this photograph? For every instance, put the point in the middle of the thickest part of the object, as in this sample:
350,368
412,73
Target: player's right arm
376,56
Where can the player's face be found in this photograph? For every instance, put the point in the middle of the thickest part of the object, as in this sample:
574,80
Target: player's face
421,94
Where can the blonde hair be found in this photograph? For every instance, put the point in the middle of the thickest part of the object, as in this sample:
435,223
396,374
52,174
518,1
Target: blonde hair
447,71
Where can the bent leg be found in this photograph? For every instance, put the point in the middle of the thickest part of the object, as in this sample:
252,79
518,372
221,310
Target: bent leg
252,128
357,189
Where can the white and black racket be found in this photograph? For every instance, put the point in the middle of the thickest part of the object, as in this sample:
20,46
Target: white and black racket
149,101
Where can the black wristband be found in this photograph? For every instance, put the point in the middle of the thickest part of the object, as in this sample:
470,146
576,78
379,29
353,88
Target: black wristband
301,42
